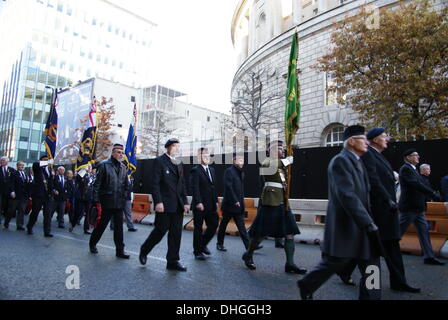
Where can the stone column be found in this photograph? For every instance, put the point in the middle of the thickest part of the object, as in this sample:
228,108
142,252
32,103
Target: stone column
297,11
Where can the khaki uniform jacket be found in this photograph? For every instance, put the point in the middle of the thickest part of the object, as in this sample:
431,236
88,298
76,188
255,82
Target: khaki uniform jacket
272,170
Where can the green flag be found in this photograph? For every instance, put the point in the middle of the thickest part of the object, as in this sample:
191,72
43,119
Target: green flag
292,112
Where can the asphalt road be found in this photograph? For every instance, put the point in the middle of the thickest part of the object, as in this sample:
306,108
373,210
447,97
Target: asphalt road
34,267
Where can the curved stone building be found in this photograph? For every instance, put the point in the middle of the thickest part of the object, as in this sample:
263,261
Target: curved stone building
261,33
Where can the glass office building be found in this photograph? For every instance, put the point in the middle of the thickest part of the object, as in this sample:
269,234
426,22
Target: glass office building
64,42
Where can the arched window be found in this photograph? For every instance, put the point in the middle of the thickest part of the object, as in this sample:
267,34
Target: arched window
334,136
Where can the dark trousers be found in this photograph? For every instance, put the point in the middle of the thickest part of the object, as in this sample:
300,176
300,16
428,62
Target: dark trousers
201,239
106,215
81,208
239,221
17,207
394,261
333,265
170,222
44,205
4,203
418,219
59,207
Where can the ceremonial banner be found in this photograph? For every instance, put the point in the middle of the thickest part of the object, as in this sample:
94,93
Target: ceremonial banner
74,106
131,145
51,128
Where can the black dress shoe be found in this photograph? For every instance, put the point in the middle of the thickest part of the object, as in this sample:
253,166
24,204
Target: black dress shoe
248,262
200,257
61,226
143,258
348,281
176,266
220,247
122,255
48,235
87,232
29,231
6,226
304,295
434,262
294,269
20,228
93,249
405,288
206,251
258,248
132,230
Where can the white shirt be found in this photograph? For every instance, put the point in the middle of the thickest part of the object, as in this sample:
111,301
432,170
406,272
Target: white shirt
413,167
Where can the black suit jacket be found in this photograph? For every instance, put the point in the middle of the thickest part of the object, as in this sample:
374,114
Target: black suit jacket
60,188
43,182
71,189
444,188
168,184
413,190
348,211
7,181
22,186
203,189
382,194
233,190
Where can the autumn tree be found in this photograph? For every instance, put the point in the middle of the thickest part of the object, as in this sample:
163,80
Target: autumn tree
105,115
251,101
394,74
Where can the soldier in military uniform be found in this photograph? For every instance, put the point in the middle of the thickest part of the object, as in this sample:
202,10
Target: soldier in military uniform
272,219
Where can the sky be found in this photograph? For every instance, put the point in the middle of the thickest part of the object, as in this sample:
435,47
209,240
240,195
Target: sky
193,51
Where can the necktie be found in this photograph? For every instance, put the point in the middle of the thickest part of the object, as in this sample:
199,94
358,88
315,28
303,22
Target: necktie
23,176
62,181
208,173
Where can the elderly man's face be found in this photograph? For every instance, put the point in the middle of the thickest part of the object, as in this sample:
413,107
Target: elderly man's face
174,149
239,162
4,162
382,140
426,171
413,158
359,143
20,166
61,171
69,175
204,158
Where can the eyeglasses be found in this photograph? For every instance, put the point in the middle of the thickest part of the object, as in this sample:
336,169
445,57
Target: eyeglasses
359,138
414,155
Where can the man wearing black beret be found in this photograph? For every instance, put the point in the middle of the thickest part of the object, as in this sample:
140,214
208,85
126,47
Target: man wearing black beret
170,199
350,234
384,209
412,203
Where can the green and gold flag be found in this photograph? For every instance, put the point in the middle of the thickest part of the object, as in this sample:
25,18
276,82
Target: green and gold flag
292,112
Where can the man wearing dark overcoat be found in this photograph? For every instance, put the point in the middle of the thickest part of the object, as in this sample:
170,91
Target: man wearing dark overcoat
350,233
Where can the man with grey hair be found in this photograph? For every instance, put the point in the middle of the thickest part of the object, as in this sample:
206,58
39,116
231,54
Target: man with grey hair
60,196
6,187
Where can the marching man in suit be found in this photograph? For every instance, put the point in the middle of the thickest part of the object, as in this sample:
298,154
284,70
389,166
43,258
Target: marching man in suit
170,198
60,196
412,204
350,234
7,194
22,191
273,220
204,203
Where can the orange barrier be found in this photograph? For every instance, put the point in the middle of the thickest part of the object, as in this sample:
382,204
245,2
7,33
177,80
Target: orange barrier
141,207
437,217
249,216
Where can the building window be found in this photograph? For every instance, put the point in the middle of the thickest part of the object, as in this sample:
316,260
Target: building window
28,93
335,136
24,135
22,154
26,114
332,93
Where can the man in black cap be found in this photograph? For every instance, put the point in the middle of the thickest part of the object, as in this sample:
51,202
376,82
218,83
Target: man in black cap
170,199
350,232
384,208
412,203
273,219
109,190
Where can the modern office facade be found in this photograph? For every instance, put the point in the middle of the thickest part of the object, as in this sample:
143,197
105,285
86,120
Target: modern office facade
64,42
262,31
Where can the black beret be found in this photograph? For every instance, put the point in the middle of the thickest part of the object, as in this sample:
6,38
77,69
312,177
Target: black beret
275,142
375,132
409,151
171,141
355,130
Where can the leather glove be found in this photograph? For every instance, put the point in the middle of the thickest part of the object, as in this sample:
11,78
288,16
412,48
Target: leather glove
372,229
393,206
